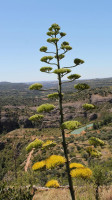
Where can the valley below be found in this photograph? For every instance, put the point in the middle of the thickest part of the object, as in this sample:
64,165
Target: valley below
18,104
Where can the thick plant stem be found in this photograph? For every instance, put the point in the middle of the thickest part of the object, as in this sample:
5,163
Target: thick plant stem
72,192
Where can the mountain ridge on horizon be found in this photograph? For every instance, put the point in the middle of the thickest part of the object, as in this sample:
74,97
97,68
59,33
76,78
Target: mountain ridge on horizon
29,82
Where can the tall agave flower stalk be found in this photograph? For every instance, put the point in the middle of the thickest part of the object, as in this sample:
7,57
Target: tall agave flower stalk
55,35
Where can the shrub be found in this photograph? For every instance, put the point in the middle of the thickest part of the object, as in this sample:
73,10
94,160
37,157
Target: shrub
15,193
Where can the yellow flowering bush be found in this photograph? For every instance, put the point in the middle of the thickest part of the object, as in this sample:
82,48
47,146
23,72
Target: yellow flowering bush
76,165
54,161
81,173
48,143
35,144
38,165
52,183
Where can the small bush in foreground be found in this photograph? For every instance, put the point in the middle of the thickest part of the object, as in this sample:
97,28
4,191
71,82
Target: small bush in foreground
15,193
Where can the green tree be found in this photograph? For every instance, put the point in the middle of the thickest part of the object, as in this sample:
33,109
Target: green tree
55,35
100,177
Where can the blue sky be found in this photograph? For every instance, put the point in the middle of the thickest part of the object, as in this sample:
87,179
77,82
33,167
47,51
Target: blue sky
23,27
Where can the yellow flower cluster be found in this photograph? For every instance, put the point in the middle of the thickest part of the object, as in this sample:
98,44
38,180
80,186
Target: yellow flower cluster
52,183
49,163
54,161
38,165
81,173
48,144
76,165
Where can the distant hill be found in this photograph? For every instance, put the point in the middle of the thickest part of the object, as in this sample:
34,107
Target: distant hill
98,82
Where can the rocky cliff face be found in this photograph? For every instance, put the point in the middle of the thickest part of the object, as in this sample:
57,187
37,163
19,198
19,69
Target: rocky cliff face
8,123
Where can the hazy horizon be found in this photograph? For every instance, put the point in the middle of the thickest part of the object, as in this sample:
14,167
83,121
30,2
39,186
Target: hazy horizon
53,80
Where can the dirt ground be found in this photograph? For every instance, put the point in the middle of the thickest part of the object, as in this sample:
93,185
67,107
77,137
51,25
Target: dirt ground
87,193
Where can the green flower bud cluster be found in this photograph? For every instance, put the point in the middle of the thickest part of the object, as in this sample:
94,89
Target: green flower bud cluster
74,76
62,71
61,56
88,106
62,34
50,33
55,27
66,47
55,95
95,153
81,86
43,49
35,144
52,40
78,61
46,58
65,43
96,141
48,144
45,69
36,86
71,125
45,108
36,117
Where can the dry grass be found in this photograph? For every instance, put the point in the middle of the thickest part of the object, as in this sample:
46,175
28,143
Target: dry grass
106,193
55,194
82,193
